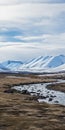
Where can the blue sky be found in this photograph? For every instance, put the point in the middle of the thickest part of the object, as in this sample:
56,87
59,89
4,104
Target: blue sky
31,28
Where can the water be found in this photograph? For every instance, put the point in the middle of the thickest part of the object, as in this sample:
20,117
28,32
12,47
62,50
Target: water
43,93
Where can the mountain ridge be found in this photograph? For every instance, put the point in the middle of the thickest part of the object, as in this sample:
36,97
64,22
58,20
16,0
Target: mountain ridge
41,63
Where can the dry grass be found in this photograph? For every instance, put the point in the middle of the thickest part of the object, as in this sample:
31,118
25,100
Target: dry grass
57,87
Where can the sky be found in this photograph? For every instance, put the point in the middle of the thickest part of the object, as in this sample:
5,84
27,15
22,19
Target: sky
31,28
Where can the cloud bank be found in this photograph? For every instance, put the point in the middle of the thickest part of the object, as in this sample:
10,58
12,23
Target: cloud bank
31,28
11,2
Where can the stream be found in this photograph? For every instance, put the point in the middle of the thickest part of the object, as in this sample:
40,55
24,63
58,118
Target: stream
43,93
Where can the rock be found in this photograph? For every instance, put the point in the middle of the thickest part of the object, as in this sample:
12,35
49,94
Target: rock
41,83
25,92
50,99
43,97
52,96
9,91
56,102
48,92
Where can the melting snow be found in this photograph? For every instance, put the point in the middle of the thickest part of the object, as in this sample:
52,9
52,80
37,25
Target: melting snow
43,93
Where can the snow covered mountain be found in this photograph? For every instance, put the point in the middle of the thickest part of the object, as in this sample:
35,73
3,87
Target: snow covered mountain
40,64
12,65
3,68
47,63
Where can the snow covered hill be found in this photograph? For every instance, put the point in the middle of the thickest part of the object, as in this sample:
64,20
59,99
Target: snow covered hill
40,64
48,63
12,65
3,68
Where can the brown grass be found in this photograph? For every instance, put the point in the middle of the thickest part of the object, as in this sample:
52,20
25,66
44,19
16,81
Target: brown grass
58,87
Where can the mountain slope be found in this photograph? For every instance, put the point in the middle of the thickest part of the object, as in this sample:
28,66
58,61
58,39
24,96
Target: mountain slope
40,64
56,61
12,65
3,68
45,64
59,68
37,62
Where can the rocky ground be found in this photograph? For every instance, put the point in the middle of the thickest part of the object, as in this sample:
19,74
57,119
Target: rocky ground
24,112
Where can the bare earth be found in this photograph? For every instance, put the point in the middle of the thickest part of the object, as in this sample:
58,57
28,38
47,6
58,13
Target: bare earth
23,112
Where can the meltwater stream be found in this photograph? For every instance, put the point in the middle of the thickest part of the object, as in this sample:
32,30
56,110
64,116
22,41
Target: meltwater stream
43,93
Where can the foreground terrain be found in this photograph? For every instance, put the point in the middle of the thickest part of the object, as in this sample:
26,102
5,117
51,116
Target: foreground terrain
24,112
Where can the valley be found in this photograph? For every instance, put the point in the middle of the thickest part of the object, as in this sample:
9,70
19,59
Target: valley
32,64
20,111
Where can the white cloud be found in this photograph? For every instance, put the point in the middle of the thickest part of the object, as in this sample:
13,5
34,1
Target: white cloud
45,38
31,17
24,12
28,16
21,51
2,38
28,38
9,2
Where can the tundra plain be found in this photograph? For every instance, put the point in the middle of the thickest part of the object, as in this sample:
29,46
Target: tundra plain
22,111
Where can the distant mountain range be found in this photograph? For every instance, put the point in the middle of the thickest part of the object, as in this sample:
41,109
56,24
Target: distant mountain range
40,64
